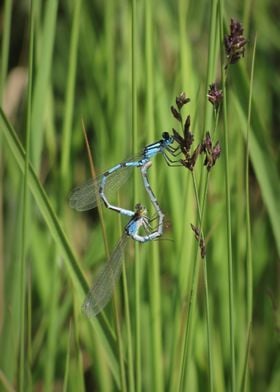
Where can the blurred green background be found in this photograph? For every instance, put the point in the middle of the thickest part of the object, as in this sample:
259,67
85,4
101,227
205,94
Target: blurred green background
180,323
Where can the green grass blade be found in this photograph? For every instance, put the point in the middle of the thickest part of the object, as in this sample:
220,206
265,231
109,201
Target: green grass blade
228,208
25,210
154,264
41,83
67,362
69,94
5,44
134,91
248,214
4,58
52,325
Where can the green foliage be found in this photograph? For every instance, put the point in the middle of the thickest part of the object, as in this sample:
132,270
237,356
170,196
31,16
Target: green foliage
178,322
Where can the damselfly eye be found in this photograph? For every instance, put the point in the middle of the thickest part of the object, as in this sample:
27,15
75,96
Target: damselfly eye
165,135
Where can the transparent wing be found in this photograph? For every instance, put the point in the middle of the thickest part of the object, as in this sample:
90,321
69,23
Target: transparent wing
105,281
85,196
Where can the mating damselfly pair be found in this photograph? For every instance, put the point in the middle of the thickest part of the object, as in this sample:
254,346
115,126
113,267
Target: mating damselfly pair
85,197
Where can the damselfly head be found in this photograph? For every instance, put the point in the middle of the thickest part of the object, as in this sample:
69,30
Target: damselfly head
167,138
140,210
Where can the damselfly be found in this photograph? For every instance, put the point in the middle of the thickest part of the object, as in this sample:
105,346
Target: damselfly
85,196
106,279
